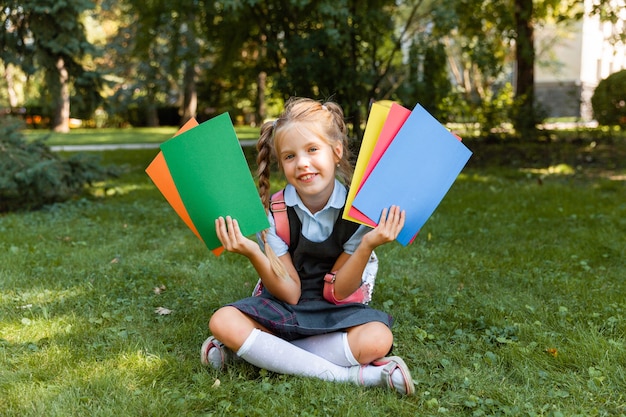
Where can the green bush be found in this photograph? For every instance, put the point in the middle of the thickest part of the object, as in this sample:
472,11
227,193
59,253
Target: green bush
609,100
31,175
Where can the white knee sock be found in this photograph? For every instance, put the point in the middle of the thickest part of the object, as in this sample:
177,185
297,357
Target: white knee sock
277,355
333,347
270,352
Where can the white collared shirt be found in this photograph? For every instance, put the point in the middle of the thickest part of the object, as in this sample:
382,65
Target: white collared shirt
315,227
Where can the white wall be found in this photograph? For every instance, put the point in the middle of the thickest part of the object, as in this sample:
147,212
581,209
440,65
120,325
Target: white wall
579,51
559,53
572,59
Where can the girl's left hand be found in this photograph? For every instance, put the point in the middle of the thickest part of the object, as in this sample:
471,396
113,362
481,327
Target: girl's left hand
229,234
389,227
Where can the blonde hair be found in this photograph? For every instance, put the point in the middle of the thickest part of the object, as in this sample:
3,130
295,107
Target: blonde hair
324,119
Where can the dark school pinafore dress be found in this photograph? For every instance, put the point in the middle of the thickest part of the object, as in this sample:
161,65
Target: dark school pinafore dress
312,315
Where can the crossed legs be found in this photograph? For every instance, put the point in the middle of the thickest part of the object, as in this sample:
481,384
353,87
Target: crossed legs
368,342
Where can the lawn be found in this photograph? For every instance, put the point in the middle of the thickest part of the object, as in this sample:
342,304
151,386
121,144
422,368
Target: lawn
511,301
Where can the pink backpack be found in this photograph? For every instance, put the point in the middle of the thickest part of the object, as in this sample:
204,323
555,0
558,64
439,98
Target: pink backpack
362,295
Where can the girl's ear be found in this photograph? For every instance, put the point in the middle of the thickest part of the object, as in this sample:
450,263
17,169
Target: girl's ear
338,151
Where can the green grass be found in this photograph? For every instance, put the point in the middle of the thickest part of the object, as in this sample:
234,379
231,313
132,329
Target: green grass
510,302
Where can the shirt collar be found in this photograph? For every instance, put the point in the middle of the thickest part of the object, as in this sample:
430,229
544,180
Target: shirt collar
337,198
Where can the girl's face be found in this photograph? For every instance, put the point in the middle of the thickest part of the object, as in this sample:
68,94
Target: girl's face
309,163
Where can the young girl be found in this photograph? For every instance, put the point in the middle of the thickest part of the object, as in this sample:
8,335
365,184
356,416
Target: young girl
290,327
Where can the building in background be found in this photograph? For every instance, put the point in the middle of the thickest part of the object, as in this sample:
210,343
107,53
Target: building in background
572,60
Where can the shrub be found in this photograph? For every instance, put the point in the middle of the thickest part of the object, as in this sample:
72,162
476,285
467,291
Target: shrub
609,100
31,175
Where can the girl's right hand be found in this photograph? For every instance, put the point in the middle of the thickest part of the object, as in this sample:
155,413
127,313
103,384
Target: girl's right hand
229,234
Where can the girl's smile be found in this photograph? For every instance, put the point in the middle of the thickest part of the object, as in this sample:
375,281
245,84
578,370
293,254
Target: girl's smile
307,178
309,164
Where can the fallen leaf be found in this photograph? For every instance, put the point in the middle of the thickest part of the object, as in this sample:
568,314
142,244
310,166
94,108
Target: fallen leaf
216,383
162,311
158,290
553,351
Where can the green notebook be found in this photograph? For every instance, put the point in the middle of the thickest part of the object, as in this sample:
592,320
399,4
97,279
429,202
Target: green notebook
213,179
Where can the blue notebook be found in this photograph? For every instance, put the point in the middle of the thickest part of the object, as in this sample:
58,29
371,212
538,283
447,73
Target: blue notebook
415,172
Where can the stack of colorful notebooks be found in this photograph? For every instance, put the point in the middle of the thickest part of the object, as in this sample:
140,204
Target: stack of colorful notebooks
407,158
202,172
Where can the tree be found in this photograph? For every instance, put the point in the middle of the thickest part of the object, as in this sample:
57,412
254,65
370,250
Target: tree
347,50
493,27
612,11
427,80
49,35
9,75
529,13
525,118
158,51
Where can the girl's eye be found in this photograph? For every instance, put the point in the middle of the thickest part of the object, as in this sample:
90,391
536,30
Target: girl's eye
313,149
287,157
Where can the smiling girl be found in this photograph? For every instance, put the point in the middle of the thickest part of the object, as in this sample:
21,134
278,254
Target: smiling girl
291,327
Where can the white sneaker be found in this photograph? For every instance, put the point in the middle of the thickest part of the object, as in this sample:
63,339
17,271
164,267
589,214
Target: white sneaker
402,382
213,353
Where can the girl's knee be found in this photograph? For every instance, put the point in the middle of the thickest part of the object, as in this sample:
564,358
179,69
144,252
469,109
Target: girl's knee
384,338
222,320
230,326
370,341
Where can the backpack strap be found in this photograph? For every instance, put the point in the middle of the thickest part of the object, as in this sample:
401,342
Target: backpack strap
281,220
279,211
362,295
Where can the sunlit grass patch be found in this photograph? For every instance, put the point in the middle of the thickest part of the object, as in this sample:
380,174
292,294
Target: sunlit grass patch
560,169
122,135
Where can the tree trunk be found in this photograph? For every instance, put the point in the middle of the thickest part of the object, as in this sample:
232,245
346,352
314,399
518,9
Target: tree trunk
61,116
525,119
355,117
261,107
190,98
152,115
8,77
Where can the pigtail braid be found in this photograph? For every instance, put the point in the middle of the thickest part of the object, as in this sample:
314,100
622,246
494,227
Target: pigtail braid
264,148
264,158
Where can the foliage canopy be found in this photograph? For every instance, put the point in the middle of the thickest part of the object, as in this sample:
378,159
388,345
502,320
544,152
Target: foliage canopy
197,57
50,35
